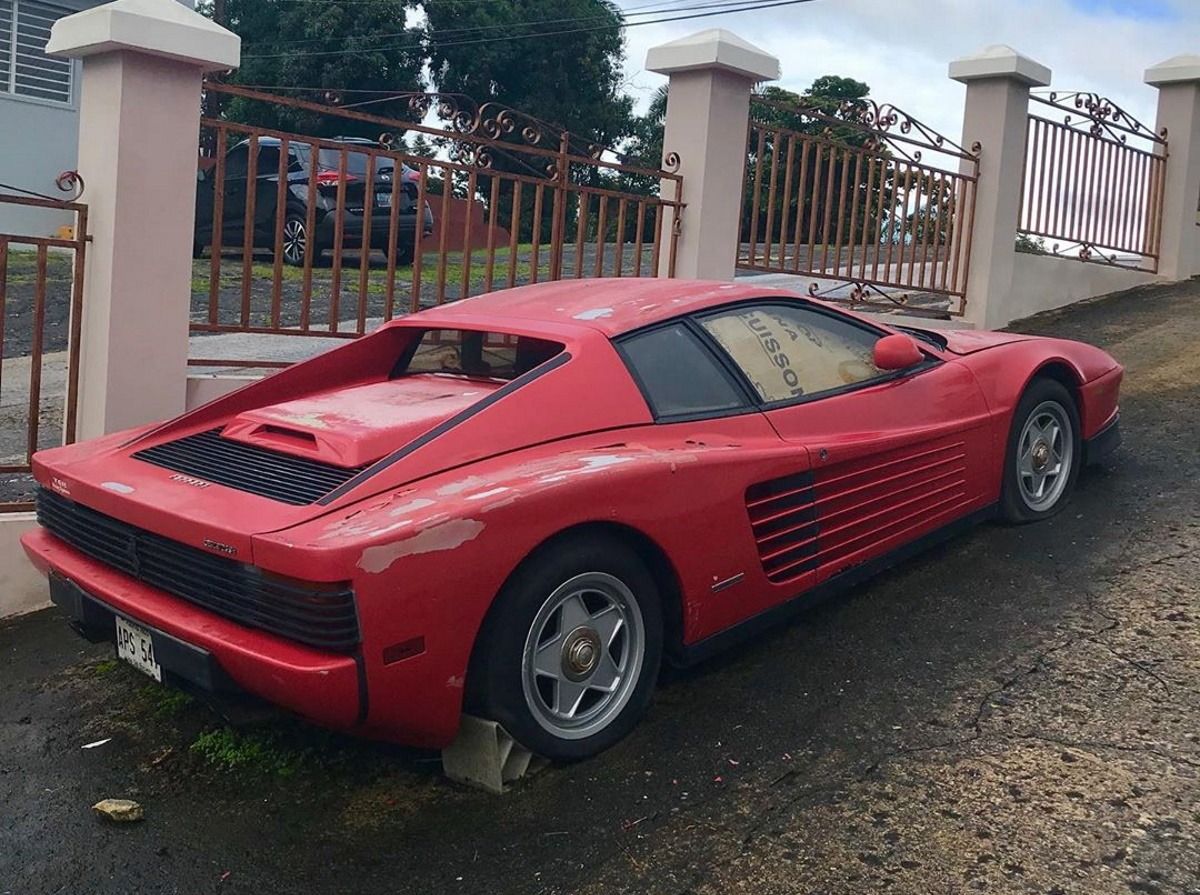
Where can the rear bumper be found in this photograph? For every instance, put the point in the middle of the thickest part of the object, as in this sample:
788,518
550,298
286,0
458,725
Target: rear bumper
199,647
1104,442
352,229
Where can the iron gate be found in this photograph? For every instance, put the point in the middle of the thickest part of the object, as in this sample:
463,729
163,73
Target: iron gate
877,207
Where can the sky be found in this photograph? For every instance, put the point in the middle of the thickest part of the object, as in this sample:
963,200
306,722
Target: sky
901,48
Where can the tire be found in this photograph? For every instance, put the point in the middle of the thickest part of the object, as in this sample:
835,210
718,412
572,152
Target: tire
404,254
1045,436
197,249
595,611
295,239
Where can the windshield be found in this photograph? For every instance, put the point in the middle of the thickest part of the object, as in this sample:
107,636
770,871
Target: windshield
475,354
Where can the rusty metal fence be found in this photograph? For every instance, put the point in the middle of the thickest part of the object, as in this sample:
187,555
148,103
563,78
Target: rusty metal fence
298,234
1093,182
41,296
872,204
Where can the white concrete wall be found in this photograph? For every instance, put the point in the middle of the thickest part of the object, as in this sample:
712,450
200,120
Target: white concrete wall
22,587
1045,282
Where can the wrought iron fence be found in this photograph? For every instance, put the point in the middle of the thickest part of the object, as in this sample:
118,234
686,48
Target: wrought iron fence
41,297
874,205
1087,187
325,236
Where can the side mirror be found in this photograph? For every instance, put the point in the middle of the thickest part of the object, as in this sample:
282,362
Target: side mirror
200,177
897,352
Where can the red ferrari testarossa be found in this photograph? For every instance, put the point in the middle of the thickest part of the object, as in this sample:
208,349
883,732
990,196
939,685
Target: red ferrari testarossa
519,504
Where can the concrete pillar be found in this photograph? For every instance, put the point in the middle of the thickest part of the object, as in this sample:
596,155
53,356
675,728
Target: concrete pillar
998,79
1178,83
143,61
708,105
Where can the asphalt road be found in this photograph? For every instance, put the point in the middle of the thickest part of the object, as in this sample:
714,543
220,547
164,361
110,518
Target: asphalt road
1017,712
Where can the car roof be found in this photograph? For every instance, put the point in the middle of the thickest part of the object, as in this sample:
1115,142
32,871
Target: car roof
613,306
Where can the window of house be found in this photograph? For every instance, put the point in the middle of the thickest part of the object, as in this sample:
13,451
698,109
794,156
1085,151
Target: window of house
678,375
25,69
791,351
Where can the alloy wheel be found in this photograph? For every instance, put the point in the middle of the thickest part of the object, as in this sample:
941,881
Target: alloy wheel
1045,452
583,655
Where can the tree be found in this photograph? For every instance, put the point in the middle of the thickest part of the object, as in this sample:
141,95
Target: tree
313,48
788,123
571,81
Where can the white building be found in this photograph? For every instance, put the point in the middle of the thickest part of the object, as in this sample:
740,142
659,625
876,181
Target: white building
39,109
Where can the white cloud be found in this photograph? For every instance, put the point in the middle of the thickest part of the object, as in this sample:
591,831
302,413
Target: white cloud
901,48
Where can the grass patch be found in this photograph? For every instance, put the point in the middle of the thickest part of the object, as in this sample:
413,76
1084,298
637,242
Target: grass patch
227,749
108,666
164,702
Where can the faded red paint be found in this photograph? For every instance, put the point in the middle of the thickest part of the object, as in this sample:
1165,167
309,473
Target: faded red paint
428,542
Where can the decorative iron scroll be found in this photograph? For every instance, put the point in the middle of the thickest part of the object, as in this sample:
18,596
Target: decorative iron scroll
472,135
67,181
1102,117
883,124
857,293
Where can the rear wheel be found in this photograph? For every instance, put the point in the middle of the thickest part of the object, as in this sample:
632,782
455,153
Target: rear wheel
568,658
1044,452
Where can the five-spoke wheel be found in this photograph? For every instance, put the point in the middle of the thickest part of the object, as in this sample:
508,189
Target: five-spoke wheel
583,655
569,654
1043,453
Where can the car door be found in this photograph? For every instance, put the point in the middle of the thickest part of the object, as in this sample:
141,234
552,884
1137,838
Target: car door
747,549
896,455
233,210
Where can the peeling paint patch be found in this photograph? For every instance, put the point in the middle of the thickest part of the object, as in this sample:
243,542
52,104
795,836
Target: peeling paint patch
417,504
462,485
118,487
482,495
456,681
594,314
446,536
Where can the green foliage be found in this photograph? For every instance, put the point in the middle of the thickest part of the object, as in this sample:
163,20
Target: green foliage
289,44
570,81
1031,245
164,702
227,749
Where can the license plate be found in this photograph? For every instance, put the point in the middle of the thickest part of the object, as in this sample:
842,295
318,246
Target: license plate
383,200
136,646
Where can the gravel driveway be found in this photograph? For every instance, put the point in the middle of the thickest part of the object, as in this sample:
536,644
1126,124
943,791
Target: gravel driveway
1015,712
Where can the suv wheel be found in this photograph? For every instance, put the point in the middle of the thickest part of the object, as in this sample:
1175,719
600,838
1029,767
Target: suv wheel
295,240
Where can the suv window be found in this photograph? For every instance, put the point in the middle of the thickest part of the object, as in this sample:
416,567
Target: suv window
236,162
678,375
792,351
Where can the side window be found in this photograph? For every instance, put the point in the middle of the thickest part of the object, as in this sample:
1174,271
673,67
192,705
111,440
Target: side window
235,162
678,375
790,351
268,161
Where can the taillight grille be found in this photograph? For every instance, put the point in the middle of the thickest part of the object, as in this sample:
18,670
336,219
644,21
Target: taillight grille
322,616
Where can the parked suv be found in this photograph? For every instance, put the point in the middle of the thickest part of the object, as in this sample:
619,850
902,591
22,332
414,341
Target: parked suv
295,222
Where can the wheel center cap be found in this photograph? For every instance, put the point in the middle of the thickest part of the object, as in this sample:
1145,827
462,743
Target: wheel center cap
1041,455
580,653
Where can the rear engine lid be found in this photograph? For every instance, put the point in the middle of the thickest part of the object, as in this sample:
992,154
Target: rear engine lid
352,427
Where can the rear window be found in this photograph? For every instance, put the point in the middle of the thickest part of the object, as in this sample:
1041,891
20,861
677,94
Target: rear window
475,354
356,162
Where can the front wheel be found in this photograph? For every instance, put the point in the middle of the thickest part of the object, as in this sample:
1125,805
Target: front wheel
1044,453
569,656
